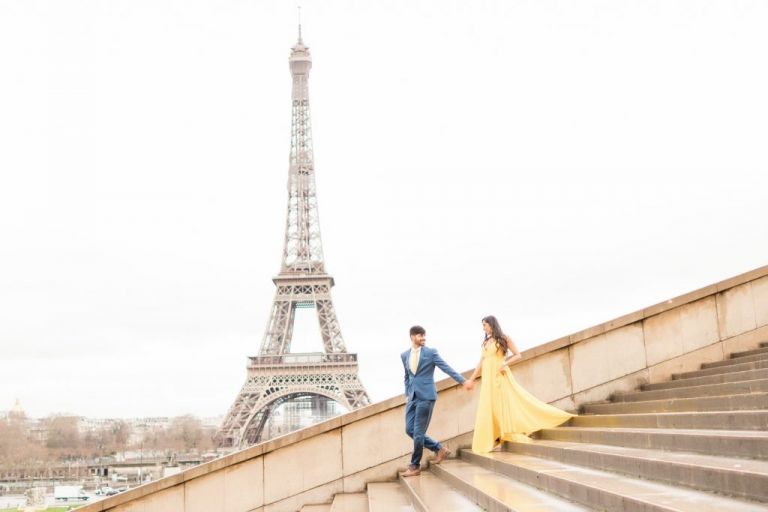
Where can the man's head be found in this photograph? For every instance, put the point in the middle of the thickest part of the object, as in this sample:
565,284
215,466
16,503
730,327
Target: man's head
418,336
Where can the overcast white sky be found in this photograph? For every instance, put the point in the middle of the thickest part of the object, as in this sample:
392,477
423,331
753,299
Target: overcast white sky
554,163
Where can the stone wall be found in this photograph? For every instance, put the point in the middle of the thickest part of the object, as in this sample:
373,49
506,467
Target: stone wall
343,454
650,345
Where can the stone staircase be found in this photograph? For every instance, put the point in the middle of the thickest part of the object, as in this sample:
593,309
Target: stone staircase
696,443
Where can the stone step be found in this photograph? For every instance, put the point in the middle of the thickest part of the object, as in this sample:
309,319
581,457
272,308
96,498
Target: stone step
720,420
315,508
388,497
762,350
741,367
428,493
499,493
707,390
739,360
724,475
712,379
727,443
708,403
350,502
604,490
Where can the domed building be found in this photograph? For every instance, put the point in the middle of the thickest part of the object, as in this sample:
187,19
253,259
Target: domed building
17,412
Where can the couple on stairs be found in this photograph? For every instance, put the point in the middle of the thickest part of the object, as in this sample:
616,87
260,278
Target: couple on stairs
506,411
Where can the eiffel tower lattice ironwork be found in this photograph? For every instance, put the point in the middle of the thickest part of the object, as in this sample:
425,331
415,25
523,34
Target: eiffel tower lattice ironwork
276,375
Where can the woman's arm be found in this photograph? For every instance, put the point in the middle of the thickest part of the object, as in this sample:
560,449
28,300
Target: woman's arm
515,354
475,375
478,369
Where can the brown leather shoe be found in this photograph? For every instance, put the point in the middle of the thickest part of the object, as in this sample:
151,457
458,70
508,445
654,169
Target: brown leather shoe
411,471
442,453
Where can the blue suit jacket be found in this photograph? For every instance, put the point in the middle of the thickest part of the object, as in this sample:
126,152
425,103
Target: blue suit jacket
422,384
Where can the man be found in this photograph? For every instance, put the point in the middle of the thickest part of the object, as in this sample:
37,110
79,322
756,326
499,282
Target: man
419,363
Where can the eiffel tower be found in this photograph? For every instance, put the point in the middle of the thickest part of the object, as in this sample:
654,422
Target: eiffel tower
276,375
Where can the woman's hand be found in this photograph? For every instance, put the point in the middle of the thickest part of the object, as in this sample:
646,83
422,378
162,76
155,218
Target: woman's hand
502,367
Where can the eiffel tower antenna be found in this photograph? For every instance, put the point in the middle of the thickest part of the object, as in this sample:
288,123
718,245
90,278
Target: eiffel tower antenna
299,8
277,376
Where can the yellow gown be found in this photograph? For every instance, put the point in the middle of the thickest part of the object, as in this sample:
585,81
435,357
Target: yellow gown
506,411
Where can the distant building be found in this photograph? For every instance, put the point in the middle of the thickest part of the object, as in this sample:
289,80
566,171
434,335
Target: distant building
212,421
15,413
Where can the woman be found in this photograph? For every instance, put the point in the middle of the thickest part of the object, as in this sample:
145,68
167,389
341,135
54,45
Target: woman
506,411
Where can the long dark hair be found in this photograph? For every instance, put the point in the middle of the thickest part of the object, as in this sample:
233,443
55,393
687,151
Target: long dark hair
496,333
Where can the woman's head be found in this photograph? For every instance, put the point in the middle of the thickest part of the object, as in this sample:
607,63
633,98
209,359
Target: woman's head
493,330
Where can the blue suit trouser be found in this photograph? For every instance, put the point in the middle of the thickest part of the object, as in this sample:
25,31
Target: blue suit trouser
417,415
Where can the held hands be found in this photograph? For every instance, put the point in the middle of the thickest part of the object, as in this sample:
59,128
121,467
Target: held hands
469,385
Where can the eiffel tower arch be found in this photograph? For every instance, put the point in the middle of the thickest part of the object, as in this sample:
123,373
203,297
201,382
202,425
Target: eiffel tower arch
276,375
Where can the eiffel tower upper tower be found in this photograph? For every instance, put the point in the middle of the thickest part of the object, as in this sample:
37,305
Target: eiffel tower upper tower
276,375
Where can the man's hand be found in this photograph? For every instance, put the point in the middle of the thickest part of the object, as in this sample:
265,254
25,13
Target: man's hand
469,385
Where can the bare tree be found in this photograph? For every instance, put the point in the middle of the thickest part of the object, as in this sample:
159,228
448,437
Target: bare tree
17,449
63,436
62,441
186,432
13,441
120,432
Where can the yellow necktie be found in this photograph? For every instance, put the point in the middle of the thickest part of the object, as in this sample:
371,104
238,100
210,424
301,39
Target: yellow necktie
414,361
